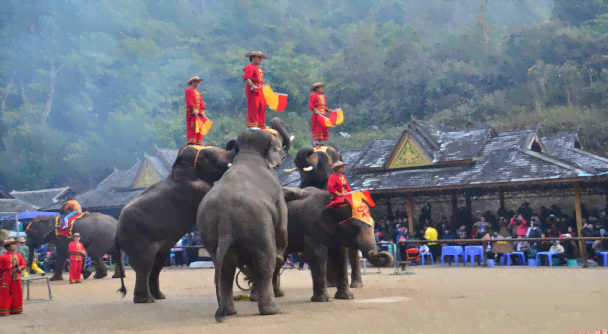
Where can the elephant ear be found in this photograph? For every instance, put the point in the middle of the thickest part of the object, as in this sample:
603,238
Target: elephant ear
231,145
273,153
293,193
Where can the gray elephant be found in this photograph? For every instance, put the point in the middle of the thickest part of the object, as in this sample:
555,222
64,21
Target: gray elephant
243,219
157,218
314,167
324,234
97,236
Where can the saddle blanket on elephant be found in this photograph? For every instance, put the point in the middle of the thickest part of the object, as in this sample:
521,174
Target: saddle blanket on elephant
324,150
66,232
359,201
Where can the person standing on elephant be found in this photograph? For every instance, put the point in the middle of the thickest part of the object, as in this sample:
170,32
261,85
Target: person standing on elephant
253,75
337,185
12,265
194,107
77,253
70,209
317,103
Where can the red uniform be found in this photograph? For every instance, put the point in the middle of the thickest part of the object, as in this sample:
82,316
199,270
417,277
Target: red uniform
194,101
75,261
337,185
316,103
11,296
256,110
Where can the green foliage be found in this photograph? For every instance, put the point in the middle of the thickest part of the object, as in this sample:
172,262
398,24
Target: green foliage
88,87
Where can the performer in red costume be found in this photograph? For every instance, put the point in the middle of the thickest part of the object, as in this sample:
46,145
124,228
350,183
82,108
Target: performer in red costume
12,265
253,75
77,252
316,103
337,185
194,106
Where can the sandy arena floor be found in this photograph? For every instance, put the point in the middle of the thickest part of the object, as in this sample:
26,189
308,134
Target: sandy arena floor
434,300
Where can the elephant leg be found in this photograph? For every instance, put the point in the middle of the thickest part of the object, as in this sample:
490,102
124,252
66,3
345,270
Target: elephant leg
276,283
318,270
101,270
355,267
142,262
332,279
59,264
159,262
339,257
226,285
267,305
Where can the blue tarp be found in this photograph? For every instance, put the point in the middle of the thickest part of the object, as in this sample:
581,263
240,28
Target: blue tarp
29,215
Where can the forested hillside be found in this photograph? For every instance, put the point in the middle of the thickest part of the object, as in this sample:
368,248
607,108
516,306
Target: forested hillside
87,87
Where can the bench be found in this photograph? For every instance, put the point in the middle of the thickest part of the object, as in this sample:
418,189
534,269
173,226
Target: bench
25,282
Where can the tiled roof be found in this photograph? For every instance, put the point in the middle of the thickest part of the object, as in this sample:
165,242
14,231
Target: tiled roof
15,205
376,153
40,198
460,145
561,146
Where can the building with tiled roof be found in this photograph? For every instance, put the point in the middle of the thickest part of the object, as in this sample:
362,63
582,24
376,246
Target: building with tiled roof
430,160
44,197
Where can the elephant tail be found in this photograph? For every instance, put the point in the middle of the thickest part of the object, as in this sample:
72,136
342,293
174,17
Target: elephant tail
121,268
223,245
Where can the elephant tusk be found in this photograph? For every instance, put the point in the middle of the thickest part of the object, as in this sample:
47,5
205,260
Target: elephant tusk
229,165
291,138
307,169
291,170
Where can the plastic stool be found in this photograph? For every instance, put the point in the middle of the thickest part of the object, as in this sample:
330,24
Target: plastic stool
572,263
423,254
451,250
491,263
531,263
471,252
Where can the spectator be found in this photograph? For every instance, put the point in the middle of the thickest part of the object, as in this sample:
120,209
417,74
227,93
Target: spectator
570,248
462,232
598,247
179,253
402,235
571,232
482,227
521,224
504,227
430,234
559,249
191,253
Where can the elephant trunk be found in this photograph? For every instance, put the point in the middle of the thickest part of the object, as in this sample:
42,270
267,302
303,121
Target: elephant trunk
277,124
367,245
302,160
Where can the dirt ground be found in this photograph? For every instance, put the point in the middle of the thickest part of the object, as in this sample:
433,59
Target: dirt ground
434,300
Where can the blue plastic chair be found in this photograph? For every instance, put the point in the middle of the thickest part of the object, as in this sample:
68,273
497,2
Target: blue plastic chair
451,250
422,255
471,252
605,255
520,254
549,256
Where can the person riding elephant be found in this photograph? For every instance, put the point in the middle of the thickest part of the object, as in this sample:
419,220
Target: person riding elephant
151,224
315,167
324,234
97,235
70,209
243,220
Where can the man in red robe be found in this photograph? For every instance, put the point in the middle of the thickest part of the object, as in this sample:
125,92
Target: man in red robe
12,265
337,185
316,103
253,75
194,107
77,252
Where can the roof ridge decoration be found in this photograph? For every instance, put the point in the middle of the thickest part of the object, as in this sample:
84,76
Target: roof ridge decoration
417,125
547,158
146,175
63,189
408,153
589,154
533,138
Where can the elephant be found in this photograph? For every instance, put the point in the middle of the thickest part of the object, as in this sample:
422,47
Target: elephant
324,234
151,224
243,219
315,169
97,236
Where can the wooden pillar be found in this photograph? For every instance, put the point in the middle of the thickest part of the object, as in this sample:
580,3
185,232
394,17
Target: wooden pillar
582,245
502,199
389,207
410,212
469,208
454,205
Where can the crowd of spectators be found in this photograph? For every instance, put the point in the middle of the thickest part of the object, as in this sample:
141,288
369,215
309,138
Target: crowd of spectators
520,224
